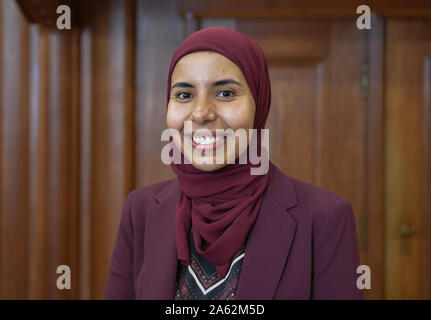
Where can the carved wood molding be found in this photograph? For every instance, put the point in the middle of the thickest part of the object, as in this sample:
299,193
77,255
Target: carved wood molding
45,11
302,8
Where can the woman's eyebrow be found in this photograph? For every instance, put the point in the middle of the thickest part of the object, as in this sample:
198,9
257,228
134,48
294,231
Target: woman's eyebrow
182,85
226,81
214,84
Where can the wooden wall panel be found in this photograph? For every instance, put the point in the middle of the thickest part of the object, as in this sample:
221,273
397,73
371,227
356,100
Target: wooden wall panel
112,129
38,212
61,182
294,86
407,146
45,12
292,9
85,156
159,32
374,224
39,243
15,165
426,216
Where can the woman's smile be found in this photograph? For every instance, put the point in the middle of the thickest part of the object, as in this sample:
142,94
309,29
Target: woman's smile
208,142
205,140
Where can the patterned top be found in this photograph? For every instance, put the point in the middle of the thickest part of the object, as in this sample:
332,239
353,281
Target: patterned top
200,280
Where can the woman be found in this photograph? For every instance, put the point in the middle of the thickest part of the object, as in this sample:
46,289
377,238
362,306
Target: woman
218,231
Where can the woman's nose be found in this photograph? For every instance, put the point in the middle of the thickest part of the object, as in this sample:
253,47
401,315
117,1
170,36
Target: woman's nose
203,111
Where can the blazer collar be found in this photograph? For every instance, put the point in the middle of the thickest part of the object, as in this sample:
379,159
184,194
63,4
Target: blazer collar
269,241
158,274
281,188
267,248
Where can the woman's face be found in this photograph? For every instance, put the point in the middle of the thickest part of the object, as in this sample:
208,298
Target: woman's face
211,92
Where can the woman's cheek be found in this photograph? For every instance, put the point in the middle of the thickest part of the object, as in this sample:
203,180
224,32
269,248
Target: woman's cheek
175,117
238,115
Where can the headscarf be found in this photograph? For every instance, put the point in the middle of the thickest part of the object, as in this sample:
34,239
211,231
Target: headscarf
221,206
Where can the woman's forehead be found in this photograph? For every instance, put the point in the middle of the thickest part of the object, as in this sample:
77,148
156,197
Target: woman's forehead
206,63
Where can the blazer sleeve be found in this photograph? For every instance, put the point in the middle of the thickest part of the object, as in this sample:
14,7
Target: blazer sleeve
336,255
120,283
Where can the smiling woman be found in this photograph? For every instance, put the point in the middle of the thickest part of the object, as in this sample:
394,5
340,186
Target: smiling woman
218,231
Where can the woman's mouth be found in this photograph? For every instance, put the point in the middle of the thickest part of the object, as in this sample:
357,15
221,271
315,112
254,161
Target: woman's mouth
207,142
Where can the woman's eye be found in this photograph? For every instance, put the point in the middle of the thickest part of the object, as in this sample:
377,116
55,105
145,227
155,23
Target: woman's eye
184,95
226,94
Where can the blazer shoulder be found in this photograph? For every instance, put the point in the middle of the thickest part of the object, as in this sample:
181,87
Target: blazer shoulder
313,195
306,195
317,203
147,196
309,198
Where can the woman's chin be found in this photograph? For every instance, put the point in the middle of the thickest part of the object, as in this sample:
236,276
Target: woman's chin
208,166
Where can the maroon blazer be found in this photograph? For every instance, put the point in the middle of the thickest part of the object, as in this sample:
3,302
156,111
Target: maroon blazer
303,245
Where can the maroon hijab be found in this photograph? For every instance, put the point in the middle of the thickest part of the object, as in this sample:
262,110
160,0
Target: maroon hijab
221,206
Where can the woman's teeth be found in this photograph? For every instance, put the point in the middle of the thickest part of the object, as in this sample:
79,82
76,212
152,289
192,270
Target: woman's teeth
206,140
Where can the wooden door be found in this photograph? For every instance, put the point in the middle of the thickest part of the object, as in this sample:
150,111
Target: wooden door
408,159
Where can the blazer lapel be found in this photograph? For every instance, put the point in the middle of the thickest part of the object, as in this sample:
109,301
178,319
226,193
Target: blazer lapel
159,271
269,242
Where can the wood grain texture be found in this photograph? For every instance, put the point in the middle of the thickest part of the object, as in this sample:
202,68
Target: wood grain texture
15,166
112,128
39,242
75,147
44,12
302,8
375,159
38,212
62,218
426,216
159,32
404,158
85,153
